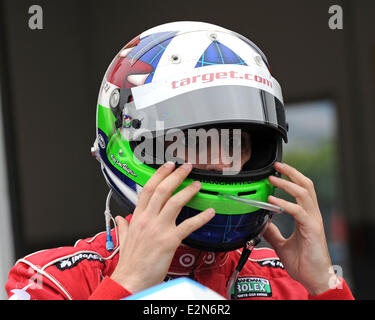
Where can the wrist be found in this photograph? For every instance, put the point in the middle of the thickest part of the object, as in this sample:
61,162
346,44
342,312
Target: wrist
326,283
128,282
317,290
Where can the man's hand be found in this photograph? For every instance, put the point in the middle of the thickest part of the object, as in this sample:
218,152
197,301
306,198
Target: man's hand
305,253
149,242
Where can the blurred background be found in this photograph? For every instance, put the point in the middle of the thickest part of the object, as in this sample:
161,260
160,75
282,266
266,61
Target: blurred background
52,191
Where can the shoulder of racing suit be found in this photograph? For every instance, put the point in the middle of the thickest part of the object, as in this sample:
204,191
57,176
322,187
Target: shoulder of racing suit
64,272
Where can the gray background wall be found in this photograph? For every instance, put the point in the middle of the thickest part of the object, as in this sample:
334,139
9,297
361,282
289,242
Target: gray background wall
6,237
54,76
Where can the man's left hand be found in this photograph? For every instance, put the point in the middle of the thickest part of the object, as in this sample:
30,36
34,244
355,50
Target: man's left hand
305,253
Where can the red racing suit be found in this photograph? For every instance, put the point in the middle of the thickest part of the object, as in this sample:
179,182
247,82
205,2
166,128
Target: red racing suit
83,272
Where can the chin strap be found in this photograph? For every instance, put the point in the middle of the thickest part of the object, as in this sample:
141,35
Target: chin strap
191,275
244,256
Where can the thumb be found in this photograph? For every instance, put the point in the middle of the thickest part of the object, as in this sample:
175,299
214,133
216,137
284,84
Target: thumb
273,236
123,226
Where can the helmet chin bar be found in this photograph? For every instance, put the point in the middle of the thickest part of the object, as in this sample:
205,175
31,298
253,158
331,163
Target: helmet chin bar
221,247
129,208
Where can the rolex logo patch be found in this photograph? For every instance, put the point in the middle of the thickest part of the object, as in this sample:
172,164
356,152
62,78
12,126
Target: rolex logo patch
248,287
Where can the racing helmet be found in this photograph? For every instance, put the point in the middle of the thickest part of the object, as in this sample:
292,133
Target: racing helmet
184,75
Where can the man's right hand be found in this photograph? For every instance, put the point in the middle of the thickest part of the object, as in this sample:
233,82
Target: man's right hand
149,242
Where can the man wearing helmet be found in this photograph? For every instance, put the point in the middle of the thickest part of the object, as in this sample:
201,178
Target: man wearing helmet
192,217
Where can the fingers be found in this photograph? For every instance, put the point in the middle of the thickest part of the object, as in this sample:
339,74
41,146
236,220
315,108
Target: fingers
295,210
297,177
302,195
174,205
152,183
166,187
190,225
122,225
273,236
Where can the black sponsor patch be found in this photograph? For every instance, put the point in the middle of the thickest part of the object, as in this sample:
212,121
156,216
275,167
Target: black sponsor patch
72,261
272,263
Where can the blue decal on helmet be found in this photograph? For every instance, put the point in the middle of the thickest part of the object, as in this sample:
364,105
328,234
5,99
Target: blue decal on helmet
153,50
217,53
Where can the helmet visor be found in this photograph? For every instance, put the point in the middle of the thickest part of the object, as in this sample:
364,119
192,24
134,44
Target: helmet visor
229,104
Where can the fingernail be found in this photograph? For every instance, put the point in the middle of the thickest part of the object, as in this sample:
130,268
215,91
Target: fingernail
211,211
169,164
186,166
280,164
197,184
